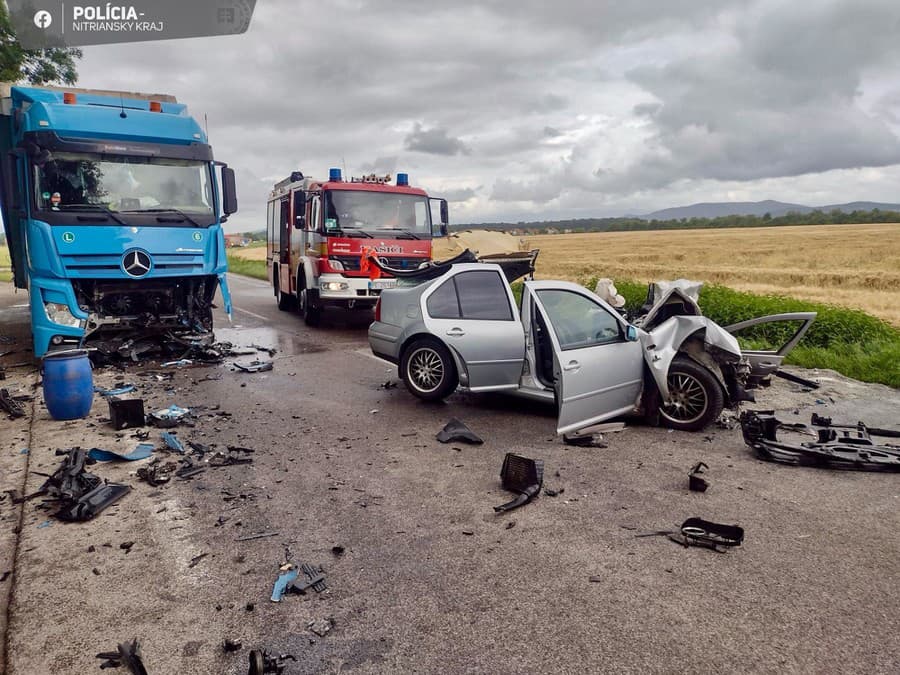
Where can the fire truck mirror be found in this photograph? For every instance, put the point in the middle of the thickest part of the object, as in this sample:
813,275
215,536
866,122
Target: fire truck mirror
445,213
301,222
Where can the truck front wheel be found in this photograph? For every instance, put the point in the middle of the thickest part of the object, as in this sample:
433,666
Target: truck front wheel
428,370
308,302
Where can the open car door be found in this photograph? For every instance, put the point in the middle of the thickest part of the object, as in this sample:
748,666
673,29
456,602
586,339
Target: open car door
598,371
764,362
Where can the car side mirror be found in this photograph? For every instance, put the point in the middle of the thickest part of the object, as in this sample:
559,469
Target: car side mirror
301,222
631,333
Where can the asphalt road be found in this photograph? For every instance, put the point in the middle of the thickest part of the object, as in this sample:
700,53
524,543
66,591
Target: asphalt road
431,580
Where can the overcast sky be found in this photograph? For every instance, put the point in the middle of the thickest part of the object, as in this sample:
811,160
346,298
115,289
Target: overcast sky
533,110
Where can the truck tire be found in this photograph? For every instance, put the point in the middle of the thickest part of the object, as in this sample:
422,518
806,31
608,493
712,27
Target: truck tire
695,396
307,304
284,299
428,371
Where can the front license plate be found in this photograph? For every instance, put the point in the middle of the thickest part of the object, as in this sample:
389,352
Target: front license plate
381,284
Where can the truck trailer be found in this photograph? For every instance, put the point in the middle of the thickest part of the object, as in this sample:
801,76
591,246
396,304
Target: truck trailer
113,212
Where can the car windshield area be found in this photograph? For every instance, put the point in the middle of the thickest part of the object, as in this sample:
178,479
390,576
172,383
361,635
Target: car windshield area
70,181
381,214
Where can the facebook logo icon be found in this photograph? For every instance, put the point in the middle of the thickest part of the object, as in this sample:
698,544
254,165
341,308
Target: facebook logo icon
42,18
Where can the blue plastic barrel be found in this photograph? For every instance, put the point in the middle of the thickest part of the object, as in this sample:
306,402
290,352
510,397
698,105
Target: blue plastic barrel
68,384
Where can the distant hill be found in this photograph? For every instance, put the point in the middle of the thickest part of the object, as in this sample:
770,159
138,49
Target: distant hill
772,207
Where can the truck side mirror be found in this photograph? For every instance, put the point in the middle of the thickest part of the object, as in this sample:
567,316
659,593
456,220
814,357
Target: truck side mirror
443,229
299,197
300,223
445,213
229,192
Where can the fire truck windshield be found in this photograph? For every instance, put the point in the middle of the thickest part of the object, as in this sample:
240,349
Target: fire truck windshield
404,215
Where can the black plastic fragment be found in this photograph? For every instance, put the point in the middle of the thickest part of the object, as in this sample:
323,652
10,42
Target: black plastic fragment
92,503
796,379
127,654
522,475
126,413
699,532
820,421
315,579
11,405
456,430
263,663
254,366
696,482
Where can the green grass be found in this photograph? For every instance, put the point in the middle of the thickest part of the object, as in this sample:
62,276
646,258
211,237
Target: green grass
849,341
5,270
249,268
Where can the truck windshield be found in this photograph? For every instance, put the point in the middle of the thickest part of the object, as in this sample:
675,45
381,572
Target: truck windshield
119,184
383,214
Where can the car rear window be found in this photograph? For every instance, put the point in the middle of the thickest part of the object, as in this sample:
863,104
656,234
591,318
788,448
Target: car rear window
482,295
443,303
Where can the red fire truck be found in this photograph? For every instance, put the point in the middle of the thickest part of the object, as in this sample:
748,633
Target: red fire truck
319,231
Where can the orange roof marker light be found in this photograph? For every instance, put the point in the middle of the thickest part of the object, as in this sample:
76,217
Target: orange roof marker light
69,97
155,106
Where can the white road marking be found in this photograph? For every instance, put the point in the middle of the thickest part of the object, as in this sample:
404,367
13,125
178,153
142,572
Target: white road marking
246,311
248,280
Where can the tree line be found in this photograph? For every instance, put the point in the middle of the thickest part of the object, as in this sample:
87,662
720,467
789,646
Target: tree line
815,217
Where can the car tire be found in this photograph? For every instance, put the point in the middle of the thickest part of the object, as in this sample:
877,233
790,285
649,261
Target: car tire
428,371
695,396
311,312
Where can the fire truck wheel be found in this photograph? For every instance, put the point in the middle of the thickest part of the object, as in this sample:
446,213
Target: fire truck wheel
428,370
307,304
284,299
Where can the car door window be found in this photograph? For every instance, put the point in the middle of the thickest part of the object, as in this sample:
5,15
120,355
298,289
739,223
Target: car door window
482,295
578,321
443,303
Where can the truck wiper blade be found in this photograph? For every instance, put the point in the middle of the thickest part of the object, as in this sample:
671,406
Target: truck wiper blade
175,211
353,232
93,207
409,235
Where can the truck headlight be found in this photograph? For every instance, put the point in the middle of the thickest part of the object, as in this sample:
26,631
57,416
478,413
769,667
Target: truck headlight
59,313
335,286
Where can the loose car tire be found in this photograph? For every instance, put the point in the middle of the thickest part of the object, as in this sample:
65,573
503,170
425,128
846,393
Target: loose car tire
311,314
428,370
695,396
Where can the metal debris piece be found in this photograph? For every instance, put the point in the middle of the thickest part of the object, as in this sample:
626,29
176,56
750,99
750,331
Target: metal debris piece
696,482
261,535
141,451
315,579
455,430
125,389
254,366
189,470
80,494
126,413
169,417
177,364
263,663
10,404
585,441
157,474
796,379
229,645
92,503
321,627
171,441
703,533
820,421
522,475
128,654
834,447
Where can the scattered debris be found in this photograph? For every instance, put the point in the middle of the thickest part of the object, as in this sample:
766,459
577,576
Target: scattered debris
106,393
229,645
126,413
128,654
80,494
595,579
11,405
282,582
141,451
189,470
157,473
455,430
262,663
261,535
180,363
819,421
337,550
703,533
321,627
834,447
171,441
796,379
169,417
254,366
585,441
696,482
522,475
388,384
550,492
315,579
196,559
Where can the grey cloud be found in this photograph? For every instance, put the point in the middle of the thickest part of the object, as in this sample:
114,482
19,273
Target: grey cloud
435,141
459,195
550,132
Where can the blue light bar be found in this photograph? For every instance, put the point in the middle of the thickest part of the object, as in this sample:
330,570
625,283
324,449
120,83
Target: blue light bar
402,179
334,174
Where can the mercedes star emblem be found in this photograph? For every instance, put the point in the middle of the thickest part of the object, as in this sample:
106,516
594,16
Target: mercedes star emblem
136,263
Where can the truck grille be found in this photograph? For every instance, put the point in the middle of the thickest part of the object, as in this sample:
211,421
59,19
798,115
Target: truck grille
108,266
351,262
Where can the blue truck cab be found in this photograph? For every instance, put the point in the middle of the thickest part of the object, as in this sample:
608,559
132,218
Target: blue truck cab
113,212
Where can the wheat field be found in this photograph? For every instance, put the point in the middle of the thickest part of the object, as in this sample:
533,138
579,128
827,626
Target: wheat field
854,266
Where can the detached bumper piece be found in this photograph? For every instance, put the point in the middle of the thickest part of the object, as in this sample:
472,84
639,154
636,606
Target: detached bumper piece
522,475
81,494
835,447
